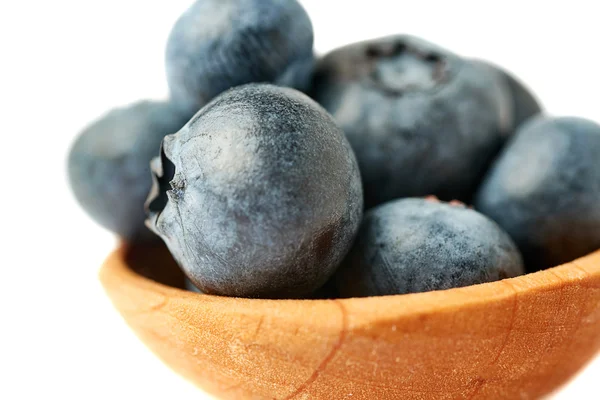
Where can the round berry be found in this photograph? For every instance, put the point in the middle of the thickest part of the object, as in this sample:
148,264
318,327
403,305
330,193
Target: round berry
259,195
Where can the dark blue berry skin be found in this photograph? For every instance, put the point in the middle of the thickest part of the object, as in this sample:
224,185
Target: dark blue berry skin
544,190
524,103
108,165
420,119
219,44
414,245
327,291
259,195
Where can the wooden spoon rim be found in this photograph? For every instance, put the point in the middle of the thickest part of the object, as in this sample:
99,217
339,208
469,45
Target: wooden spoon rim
518,337
382,308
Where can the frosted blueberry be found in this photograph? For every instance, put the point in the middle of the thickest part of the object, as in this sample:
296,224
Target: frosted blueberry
219,44
417,245
544,190
108,165
259,195
420,119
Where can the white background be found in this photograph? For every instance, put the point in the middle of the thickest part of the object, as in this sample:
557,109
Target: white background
66,62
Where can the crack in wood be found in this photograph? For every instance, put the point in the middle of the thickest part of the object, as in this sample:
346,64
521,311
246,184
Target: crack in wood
155,307
574,329
511,325
477,388
334,349
258,326
586,273
546,350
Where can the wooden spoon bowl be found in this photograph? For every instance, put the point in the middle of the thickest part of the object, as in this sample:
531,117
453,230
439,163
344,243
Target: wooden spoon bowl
519,338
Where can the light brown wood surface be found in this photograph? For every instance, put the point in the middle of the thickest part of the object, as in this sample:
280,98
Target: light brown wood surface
519,338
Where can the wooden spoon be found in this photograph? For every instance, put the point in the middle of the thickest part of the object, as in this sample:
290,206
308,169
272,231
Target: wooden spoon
518,338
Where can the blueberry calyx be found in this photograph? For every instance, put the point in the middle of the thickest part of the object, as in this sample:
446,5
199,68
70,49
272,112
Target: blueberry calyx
163,172
398,69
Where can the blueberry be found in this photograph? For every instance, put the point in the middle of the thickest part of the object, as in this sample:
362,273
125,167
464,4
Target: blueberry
415,245
420,119
108,165
219,44
259,195
544,190
524,103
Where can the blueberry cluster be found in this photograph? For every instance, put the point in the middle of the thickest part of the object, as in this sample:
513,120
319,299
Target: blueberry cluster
274,173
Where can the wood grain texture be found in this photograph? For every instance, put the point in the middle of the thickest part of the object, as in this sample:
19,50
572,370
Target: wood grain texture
519,338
